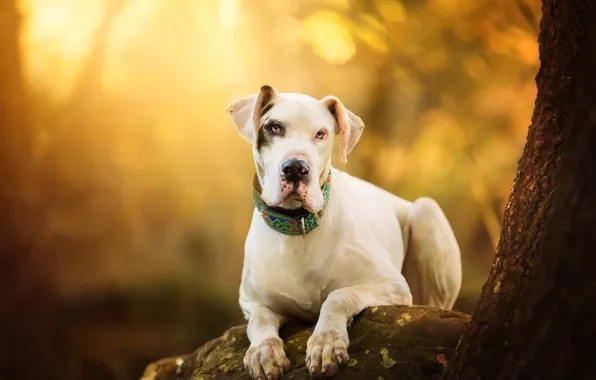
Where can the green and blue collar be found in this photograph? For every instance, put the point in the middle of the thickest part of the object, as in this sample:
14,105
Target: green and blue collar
291,222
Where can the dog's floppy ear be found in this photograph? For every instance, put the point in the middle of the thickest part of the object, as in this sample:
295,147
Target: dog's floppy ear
246,112
348,126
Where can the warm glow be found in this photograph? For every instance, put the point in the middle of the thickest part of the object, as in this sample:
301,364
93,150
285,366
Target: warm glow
228,13
330,37
148,121
57,36
144,185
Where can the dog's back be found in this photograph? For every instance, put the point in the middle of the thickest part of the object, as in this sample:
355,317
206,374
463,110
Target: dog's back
416,235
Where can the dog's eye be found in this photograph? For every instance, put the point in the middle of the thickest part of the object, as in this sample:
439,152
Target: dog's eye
275,128
321,134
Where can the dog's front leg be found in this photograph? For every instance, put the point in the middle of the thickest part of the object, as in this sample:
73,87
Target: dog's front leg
265,358
327,348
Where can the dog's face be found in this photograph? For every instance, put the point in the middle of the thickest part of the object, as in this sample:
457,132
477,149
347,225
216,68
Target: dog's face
292,137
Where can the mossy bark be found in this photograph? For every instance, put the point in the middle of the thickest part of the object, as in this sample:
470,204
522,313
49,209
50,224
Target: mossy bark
390,342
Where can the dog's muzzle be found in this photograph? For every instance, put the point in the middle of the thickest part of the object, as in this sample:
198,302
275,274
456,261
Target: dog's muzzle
295,170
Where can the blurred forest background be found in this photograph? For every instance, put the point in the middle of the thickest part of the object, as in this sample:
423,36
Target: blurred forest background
143,186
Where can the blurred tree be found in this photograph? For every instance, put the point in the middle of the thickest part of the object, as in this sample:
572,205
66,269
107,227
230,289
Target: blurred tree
77,177
536,313
27,300
89,78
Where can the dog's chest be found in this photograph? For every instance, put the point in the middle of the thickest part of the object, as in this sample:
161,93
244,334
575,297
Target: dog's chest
292,277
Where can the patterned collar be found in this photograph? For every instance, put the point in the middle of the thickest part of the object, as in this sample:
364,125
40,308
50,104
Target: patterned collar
290,222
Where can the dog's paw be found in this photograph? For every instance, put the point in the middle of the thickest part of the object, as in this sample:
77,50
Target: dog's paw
326,350
267,361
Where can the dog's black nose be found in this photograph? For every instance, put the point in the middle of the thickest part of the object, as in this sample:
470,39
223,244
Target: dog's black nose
294,170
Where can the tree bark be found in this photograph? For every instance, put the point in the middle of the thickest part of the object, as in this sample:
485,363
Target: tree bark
27,313
534,318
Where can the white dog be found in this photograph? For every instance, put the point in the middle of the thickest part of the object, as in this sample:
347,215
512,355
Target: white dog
324,245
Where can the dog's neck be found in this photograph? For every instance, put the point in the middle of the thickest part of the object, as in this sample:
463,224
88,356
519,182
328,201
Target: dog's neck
291,221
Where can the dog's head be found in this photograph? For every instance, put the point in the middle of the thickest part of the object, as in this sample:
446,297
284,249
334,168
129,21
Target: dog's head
292,137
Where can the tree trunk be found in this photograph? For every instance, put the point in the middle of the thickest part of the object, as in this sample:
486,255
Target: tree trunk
535,316
27,328
88,83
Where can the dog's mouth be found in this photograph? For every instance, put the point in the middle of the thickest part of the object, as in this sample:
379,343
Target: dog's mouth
294,195
291,195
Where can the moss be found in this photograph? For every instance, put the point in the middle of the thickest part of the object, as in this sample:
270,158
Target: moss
403,319
386,359
385,342
497,287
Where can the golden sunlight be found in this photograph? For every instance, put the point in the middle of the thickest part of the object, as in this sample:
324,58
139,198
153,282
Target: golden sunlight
330,37
158,75
53,50
145,186
228,13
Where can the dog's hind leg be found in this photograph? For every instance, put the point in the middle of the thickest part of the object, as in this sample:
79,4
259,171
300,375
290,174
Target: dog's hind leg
432,264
